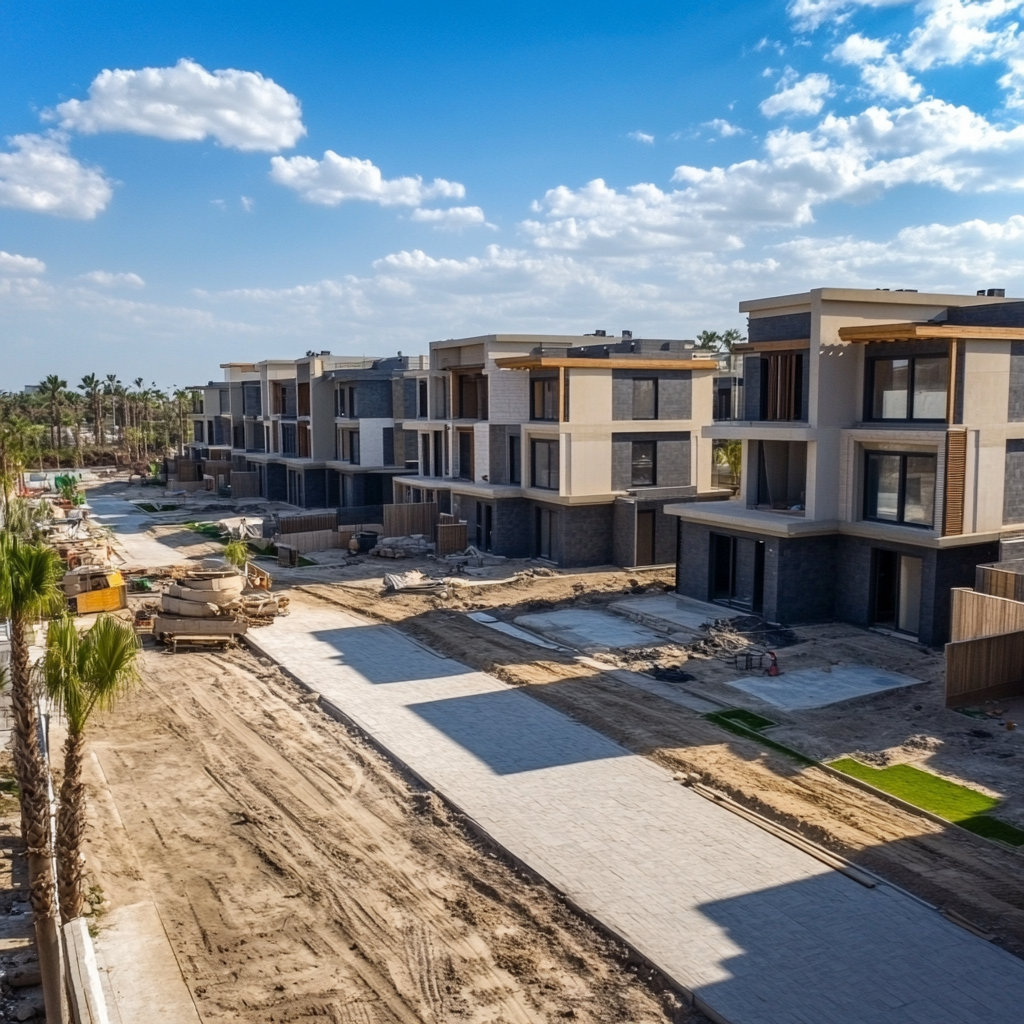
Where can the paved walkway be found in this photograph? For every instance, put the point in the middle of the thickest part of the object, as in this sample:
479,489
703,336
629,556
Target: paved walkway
131,528
760,932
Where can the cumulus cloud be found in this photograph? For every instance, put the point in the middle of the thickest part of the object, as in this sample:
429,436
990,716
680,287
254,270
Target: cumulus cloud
240,109
39,174
642,137
452,218
13,264
798,95
858,49
807,15
724,129
843,158
336,179
105,279
955,31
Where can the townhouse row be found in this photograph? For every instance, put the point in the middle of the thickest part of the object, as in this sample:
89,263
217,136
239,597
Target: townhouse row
882,437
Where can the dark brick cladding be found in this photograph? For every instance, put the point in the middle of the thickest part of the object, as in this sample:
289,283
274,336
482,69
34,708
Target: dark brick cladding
675,393
1015,410
672,459
373,399
1013,483
787,327
989,314
583,534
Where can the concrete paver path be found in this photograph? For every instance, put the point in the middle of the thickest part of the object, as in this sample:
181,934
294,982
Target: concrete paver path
131,530
760,932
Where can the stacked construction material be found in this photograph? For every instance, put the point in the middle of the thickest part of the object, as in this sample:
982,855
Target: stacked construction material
209,594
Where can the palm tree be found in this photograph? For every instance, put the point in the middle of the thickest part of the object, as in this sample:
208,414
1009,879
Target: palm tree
29,574
16,435
52,390
74,402
93,388
83,673
115,389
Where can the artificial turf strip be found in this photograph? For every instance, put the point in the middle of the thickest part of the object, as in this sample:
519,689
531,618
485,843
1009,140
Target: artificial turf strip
719,718
747,718
959,804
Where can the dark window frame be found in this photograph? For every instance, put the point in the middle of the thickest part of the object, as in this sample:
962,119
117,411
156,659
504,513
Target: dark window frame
869,389
901,498
422,399
653,447
515,459
548,395
552,474
653,381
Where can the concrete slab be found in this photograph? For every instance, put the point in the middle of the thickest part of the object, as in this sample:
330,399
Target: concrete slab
671,611
817,688
589,629
141,971
131,535
509,630
759,931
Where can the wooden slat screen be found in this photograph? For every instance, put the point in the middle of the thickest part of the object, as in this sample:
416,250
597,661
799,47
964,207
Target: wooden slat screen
985,668
974,614
451,538
308,522
410,518
956,472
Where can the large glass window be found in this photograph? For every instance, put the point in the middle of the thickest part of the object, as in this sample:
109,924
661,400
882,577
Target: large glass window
908,389
900,488
544,399
544,464
644,453
645,399
513,459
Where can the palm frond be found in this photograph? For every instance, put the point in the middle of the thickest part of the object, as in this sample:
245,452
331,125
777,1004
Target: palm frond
110,665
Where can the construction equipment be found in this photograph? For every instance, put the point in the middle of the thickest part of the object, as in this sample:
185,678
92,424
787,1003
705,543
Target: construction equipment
93,588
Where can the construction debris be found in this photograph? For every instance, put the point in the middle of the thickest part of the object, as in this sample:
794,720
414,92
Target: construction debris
402,547
415,581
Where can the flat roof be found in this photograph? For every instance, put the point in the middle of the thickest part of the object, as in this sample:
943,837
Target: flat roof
869,295
626,362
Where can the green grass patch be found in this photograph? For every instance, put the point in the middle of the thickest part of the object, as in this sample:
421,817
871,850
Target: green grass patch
305,561
747,718
959,804
145,506
738,729
211,530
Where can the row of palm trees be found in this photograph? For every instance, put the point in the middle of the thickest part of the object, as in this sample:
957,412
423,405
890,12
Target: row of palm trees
131,423
79,674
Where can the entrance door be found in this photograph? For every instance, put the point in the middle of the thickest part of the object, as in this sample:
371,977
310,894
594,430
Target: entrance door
545,533
885,588
908,619
484,525
737,572
645,538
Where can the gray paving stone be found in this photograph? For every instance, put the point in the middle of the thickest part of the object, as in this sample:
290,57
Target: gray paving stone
761,932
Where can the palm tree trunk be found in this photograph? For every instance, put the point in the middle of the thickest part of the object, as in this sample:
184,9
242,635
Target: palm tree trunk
32,775
71,830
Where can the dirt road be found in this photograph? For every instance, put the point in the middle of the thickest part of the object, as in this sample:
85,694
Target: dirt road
300,878
975,879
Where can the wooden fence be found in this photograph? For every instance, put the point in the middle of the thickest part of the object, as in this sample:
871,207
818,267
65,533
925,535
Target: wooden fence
308,522
976,615
407,519
985,668
991,579
451,538
188,471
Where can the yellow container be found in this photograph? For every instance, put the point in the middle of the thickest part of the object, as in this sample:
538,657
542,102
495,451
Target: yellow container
108,593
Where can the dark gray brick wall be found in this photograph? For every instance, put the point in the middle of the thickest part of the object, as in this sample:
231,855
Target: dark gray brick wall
389,446
512,534
803,578
1015,410
779,328
675,393
498,454
1013,482
585,535
314,489
374,399
672,460
999,314
752,387
693,566
277,482
623,531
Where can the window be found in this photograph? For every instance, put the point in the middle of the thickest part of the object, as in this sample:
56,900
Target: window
422,413
288,439
225,401
782,376
643,463
908,389
302,392
514,459
197,427
900,488
544,464
339,402
544,399
352,403
350,446
645,399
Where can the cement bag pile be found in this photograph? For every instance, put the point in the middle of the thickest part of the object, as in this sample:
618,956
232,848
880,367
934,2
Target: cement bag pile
402,547
204,595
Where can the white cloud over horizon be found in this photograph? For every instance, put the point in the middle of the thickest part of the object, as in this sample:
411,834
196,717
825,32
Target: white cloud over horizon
11,263
40,175
798,95
336,179
106,279
452,218
240,109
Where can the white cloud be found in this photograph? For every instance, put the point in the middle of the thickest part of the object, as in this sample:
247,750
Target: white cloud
798,96
954,32
807,15
12,264
890,81
248,203
452,218
105,279
240,109
857,49
336,179
724,129
42,176
641,137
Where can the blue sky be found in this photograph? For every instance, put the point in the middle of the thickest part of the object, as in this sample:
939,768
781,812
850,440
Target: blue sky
186,184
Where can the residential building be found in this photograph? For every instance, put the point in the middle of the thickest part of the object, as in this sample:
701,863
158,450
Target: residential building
319,431
883,459
561,447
